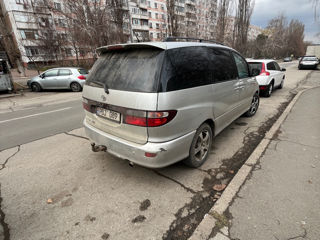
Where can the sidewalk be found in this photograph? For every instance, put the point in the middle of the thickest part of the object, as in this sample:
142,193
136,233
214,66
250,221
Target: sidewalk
281,198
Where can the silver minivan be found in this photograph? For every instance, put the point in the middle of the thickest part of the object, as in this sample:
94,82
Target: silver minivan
157,103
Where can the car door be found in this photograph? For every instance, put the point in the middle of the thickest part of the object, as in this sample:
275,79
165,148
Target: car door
64,78
273,72
245,82
279,74
225,95
49,79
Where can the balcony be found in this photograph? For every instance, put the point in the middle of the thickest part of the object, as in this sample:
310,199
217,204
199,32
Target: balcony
140,27
143,4
190,2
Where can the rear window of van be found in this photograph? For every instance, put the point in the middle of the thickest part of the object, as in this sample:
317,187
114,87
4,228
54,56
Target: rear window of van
134,70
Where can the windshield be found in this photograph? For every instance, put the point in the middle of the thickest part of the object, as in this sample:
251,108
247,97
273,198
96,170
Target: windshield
134,70
309,59
255,65
83,71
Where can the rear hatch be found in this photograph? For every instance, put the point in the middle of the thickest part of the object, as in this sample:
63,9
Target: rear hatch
121,87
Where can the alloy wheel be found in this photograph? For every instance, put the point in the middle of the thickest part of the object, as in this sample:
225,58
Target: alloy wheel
202,145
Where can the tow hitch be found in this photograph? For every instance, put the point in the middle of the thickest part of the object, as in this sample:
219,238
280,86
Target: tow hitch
98,148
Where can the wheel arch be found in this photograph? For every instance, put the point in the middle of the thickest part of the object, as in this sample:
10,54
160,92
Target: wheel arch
211,123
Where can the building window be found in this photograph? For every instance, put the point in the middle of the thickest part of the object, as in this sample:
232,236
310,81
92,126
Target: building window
149,4
157,15
135,21
29,34
19,1
150,15
162,16
155,5
68,52
158,35
32,51
150,25
57,6
151,35
157,26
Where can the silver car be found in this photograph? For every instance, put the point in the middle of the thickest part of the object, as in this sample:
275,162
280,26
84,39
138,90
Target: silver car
157,103
59,78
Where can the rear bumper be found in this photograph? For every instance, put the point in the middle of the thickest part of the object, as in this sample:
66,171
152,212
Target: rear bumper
167,152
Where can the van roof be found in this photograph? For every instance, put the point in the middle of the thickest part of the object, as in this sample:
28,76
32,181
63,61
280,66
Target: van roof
159,45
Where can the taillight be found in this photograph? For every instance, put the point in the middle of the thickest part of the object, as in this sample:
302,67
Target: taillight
263,71
81,77
149,119
86,105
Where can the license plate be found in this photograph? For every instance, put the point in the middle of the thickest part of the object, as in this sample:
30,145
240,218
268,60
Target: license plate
109,114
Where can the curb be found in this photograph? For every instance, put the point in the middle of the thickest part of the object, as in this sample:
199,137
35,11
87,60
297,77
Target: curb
205,227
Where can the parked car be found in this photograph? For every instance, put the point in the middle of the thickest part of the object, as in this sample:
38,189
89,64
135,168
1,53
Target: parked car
287,59
155,104
308,62
59,78
271,75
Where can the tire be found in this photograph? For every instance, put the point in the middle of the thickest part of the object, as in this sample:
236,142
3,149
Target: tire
200,146
269,90
254,106
299,67
281,84
35,87
75,87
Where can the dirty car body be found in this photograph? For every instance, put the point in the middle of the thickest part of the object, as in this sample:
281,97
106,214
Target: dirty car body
145,102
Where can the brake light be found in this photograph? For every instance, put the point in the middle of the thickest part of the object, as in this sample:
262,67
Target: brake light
263,71
81,77
149,119
137,121
86,105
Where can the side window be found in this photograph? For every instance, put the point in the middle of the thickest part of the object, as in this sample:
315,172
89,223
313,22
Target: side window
51,73
186,67
277,67
270,66
222,65
64,72
242,66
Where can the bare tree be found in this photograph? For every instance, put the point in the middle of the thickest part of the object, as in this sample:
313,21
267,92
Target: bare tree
244,11
173,18
222,21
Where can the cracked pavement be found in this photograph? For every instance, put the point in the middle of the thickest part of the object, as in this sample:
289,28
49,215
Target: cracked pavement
57,188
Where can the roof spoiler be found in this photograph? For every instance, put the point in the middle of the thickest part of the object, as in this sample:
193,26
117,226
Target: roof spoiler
119,47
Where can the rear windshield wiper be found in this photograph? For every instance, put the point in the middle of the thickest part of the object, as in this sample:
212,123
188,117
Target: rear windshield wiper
104,85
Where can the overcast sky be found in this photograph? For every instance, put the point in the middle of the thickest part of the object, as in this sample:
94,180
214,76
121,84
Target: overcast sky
302,10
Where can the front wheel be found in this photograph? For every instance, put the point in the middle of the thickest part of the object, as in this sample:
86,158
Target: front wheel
281,84
35,87
200,146
254,106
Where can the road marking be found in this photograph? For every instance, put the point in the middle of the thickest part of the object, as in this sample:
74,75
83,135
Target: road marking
36,114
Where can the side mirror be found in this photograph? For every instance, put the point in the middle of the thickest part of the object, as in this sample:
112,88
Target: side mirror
255,72
283,69
41,75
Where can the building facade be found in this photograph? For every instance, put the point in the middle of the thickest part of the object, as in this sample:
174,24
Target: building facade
35,26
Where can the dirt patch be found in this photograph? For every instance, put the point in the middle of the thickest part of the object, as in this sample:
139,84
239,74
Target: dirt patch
144,205
138,219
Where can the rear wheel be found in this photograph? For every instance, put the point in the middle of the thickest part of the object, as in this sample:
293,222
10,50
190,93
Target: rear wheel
75,87
254,106
200,146
35,87
269,90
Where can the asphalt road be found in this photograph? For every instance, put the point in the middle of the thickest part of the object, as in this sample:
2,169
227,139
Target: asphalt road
27,125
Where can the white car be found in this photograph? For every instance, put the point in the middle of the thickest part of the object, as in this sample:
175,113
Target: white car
270,75
308,62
